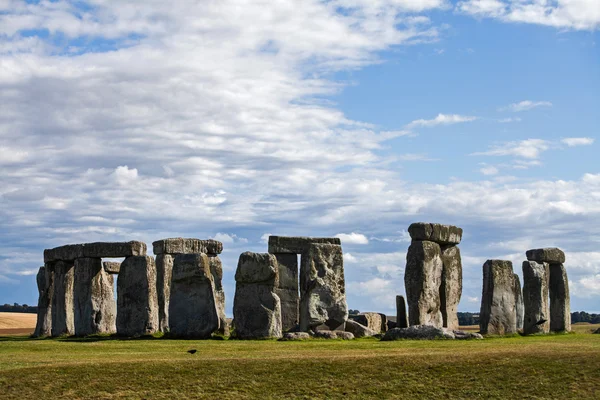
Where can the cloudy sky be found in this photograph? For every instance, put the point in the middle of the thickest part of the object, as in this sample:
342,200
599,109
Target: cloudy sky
236,119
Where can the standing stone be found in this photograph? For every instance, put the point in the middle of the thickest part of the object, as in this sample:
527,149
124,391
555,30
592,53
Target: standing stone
256,306
137,303
63,320
287,289
401,317
498,315
93,298
164,271
519,307
216,269
451,286
45,284
560,308
422,280
535,298
323,292
193,309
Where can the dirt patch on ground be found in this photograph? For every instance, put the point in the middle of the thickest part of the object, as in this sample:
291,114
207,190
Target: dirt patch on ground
22,321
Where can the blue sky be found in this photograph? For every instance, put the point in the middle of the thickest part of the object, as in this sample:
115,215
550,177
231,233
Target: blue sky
235,120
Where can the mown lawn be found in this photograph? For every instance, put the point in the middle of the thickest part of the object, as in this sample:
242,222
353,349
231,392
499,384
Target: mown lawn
553,366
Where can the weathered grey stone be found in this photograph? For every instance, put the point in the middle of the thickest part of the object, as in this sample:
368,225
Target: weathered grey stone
164,271
462,335
422,332
137,302
216,269
451,286
519,307
372,320
256,307
63,320
441,234
422,280
295,336
401,316
112,267
547,255
560,303
193,309
391,324
498,304
45,284
93,298
187,246
287,289
324,334
535,297
344,335
296,244
323,292
95,250
359,330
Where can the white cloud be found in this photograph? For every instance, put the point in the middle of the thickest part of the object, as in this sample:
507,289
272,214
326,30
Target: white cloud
441,119
353,238
489,170
529,149
525,105
229,238
473,299
508,120
581,141
569,14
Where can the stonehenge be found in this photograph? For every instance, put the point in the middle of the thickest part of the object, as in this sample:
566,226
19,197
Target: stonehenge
497,315
63,320
433,275
45,284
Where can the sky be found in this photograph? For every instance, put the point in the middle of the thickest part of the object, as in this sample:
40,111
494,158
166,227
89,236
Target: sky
234,120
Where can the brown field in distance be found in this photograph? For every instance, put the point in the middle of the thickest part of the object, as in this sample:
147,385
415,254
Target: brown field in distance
17,323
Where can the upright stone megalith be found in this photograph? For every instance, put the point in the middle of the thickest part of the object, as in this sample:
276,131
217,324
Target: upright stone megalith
422,280
560,308
535,297
433,275
287,290
93,298
519,307
322,287
63,320
497,315
216,269
45,284
193,311
256,306
401,316
137,303
165,251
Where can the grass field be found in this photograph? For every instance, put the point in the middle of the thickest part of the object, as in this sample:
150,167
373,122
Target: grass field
551,366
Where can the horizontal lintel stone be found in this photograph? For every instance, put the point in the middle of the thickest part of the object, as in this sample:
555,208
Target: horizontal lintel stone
441,234
187,246
296,244
72,252
549,255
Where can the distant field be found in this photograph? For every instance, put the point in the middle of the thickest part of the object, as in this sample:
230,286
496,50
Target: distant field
551,366
17,323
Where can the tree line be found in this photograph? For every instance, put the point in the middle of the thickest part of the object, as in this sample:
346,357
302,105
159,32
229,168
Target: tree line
20,308
467,318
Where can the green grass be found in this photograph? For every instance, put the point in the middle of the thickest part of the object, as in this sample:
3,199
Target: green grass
553,366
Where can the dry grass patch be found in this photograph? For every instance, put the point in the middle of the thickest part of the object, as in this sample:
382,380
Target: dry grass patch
17,323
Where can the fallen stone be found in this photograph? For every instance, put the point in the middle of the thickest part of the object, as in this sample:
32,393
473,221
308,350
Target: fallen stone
287,289
497,315
462,335
535,298
519,307
323,292
45,284
296,244
560,308
63,319
401,315
95,250
359,330
451,286
547,255
112,267
325,334
295,336
441,234
421,332
422,280
187,246
375,321
193,309
216,269
344,335
137,303
93,298
256,307
164,272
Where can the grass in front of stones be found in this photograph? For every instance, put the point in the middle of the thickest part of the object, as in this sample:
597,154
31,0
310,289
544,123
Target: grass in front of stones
552,366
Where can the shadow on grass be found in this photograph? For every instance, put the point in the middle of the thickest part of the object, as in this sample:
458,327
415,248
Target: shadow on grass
99,338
